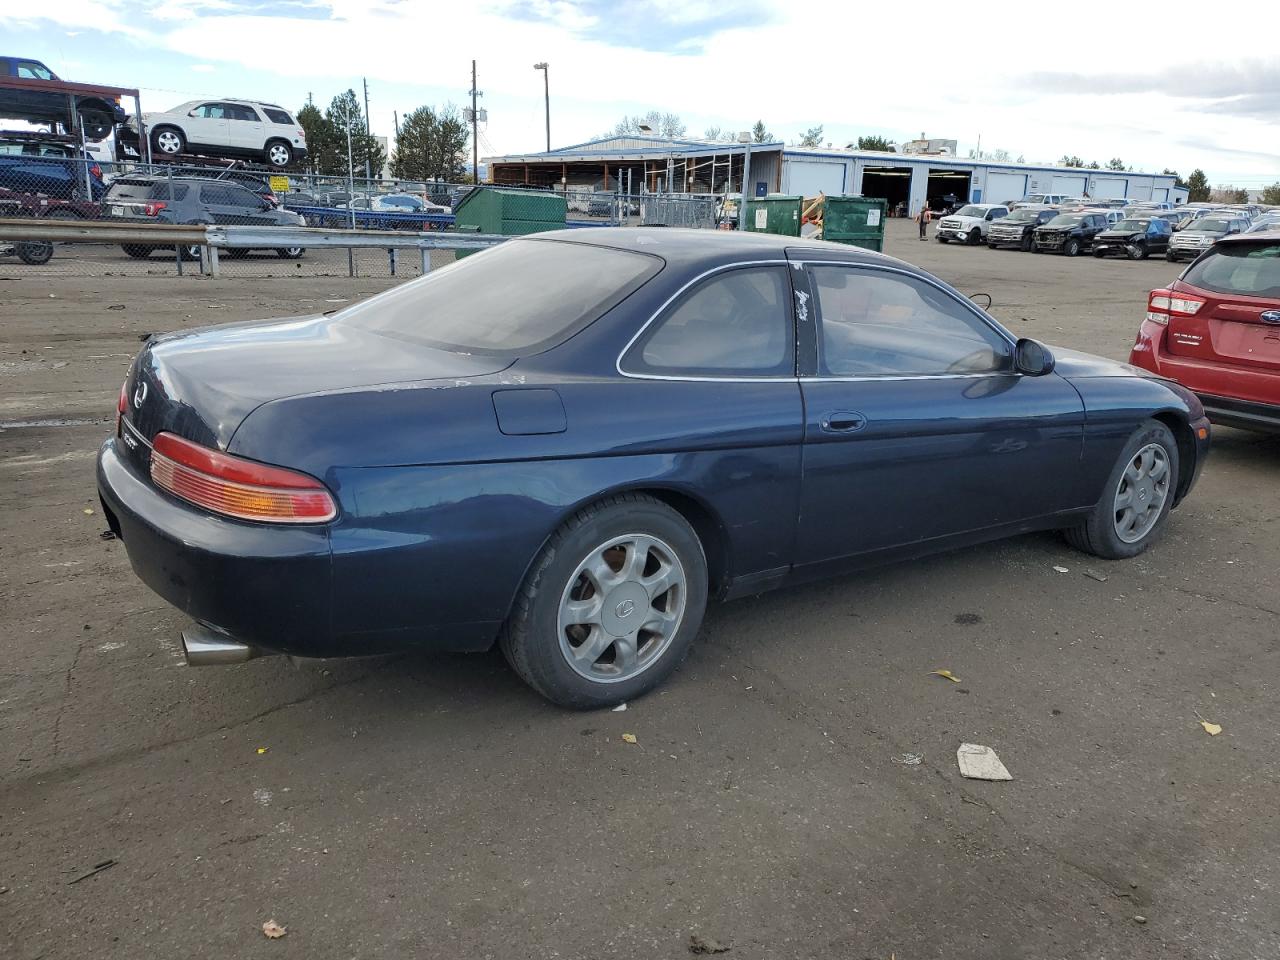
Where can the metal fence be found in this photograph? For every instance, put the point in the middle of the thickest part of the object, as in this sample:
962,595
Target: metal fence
46,181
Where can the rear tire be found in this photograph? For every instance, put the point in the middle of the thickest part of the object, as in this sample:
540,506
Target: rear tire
278,154
168,141
577,654
1103,533
290,253
137,251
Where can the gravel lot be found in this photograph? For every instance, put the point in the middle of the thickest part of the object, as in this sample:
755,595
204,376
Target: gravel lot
433,807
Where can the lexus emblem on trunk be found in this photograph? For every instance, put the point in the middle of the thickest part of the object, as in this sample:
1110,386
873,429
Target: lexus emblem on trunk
139,395
1271,316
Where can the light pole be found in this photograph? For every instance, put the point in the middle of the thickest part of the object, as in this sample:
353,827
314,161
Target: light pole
546,92
744,138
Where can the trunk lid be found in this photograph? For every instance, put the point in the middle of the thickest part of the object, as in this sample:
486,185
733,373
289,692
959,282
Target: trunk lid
202,384
1238,322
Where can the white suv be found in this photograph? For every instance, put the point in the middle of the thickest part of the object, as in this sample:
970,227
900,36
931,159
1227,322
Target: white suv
970,223
227,128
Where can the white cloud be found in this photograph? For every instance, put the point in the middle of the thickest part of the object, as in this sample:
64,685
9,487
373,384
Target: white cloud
203,68
855,68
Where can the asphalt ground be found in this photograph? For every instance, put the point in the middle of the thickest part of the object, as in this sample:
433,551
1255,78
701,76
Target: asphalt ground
429,806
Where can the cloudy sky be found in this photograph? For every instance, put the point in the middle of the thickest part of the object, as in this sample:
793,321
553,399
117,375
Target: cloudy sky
1096,79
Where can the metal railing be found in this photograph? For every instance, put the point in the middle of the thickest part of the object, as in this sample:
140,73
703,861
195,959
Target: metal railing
207,245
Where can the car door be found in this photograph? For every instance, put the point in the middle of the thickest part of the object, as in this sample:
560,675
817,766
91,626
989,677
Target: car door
917,427
206,125
713,379
245,127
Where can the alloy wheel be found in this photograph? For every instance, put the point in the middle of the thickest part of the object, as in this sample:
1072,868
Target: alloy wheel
1141,493
621,608
279,155
168,142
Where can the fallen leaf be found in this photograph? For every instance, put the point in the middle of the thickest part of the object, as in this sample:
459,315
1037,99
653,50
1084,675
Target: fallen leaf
946,673
273,931
629,737
1061,569
88,512
1212,729
620,708
262,750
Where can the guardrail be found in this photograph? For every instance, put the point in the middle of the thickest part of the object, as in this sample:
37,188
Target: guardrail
212,238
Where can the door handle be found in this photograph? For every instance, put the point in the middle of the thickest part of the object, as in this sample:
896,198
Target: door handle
843,421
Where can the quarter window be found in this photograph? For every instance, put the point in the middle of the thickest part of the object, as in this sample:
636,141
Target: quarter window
883,324
277,116
735,323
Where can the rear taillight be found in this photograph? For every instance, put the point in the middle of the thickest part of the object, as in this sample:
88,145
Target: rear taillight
153,207
122,404
96,171
1162,303
236,487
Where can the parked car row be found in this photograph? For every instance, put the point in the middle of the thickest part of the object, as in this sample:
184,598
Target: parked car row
1072,226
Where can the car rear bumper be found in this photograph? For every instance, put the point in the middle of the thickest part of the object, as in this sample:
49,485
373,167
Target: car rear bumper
1232,395
266,586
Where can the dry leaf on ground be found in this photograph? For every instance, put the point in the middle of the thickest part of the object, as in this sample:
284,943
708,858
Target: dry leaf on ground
273,931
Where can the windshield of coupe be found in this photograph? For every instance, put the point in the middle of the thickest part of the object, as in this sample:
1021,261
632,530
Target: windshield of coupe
971,211
1063,221
1132,226
515,299
1251,269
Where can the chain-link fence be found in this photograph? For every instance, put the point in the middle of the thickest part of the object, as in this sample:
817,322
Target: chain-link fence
46,179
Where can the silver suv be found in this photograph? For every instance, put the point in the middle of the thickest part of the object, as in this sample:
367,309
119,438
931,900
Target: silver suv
227,128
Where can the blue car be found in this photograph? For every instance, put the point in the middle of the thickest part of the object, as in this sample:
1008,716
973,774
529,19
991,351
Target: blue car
570,443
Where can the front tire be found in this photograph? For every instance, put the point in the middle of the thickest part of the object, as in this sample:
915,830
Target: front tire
137,250
34,253
1138,251
975,237
1136,499
1028,243
290,253
628,561
1072,248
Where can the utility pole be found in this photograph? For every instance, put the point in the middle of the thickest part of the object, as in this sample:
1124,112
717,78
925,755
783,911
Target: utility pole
368,174
546,91
475,146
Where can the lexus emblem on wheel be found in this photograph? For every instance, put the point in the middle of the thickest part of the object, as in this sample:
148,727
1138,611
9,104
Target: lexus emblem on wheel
625,609
1271,316
140,395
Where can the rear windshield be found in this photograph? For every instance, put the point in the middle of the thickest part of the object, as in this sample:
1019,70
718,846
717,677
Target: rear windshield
277,116
515,299
1251,269
133,190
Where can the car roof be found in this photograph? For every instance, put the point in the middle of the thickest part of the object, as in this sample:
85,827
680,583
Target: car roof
707,248
160,178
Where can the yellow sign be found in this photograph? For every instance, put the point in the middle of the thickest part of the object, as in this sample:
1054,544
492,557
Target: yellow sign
279,184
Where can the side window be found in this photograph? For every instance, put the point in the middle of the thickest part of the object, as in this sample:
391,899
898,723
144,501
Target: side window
277,116
997,213
240,112
30,70
242,197
735,323
217,194
886,324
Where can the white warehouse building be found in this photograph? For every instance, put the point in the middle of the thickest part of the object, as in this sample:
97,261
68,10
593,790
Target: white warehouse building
655,164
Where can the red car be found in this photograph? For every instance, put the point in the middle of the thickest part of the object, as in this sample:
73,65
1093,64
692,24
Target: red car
1216,331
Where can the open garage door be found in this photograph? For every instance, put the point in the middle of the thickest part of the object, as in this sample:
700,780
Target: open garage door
947,188
891,184
1070,184
808,178
1003,187
1110,188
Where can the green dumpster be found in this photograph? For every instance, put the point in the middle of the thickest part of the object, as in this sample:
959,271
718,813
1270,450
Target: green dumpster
776,213
510,213
857,221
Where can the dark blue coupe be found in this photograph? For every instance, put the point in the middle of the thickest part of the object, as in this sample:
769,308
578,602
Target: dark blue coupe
569,443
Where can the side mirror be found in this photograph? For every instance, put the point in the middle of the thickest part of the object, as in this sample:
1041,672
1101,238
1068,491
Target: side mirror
1032,358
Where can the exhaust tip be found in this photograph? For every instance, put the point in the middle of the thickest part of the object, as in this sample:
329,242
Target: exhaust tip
204,647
